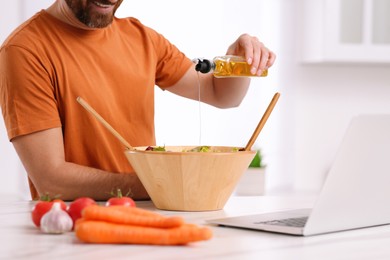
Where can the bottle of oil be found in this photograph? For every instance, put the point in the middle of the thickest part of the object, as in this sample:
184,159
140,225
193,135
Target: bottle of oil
226,66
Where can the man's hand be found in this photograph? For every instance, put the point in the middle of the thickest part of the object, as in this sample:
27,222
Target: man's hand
254,51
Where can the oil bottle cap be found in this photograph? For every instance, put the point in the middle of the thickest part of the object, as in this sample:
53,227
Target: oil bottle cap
203,66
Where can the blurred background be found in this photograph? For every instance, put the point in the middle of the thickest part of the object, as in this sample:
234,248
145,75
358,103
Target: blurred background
333,60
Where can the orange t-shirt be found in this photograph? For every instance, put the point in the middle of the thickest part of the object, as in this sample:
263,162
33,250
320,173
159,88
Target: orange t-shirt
46,64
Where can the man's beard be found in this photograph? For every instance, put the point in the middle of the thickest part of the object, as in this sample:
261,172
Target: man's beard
94,20
88,17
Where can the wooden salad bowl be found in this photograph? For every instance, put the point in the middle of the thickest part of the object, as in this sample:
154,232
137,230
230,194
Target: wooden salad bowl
181,179
189,181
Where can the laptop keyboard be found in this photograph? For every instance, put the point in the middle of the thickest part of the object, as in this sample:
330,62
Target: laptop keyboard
288,222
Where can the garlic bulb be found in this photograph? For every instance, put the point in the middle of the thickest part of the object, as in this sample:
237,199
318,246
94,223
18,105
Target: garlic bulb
56,220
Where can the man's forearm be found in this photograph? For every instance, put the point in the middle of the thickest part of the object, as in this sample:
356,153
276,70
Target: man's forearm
230,91
42,155
71,181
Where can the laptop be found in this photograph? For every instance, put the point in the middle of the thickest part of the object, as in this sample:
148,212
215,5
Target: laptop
356,192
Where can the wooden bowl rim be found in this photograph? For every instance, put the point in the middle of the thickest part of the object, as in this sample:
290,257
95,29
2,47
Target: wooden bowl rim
141,149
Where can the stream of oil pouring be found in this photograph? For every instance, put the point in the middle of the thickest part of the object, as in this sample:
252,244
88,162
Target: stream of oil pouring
200,112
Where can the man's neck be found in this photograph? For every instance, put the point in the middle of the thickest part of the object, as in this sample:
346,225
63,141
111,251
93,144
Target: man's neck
61,11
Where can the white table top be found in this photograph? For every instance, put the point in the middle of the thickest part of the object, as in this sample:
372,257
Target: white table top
20,239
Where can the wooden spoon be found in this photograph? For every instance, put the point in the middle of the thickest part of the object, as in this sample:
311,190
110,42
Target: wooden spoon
104,122
262,122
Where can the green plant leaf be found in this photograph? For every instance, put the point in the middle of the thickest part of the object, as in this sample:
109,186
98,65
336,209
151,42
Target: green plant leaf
256,161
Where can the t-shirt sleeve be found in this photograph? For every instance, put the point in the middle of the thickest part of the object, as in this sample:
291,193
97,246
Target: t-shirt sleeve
172,63
27,94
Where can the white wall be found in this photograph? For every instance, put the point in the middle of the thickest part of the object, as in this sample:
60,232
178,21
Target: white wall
317,101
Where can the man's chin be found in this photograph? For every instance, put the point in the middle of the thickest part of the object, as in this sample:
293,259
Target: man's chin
99,21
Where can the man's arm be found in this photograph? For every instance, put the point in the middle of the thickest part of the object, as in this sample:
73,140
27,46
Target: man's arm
226,92
218,92
42,154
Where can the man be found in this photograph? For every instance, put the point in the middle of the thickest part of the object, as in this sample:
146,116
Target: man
79,48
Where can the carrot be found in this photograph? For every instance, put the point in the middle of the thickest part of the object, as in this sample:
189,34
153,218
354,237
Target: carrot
135,210
101,232
130,216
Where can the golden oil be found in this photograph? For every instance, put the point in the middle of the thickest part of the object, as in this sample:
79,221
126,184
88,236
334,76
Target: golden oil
233,67
227,66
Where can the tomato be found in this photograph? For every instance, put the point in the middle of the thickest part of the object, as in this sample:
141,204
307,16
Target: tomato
120,200
75,207
41,208
123,201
